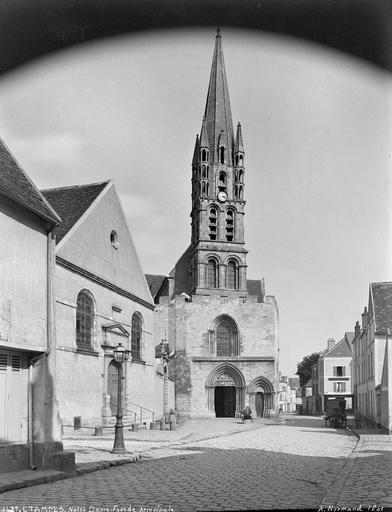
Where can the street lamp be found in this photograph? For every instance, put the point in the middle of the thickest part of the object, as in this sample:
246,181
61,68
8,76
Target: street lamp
120,355
164,356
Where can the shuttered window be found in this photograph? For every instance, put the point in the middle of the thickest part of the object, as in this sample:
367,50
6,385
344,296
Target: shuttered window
16,363
3,362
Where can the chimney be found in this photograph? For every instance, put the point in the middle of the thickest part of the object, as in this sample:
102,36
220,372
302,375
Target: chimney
330,343
364,317
357,329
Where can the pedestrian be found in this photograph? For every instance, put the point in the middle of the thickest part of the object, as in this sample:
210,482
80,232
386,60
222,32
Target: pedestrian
247,413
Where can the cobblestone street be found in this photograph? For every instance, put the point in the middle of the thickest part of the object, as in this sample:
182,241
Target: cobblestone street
292,465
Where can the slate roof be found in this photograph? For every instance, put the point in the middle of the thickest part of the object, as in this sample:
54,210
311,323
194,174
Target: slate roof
341,349
350,337
381,294
71,203
17,186
255,287
154,282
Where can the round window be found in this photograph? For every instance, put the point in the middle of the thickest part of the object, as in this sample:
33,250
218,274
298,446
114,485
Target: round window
114,239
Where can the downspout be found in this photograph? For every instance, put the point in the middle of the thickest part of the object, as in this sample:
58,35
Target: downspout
33,361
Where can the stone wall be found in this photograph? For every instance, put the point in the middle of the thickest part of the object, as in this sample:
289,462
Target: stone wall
187,322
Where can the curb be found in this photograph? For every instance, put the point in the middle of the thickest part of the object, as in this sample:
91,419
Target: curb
89,467
36,480
53,476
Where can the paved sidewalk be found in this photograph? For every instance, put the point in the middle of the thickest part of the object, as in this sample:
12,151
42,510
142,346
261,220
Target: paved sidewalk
93,453
366,477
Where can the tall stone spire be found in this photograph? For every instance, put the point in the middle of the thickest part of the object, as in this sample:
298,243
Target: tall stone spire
217,259
217,114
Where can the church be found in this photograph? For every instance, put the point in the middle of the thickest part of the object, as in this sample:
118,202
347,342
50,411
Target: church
222,325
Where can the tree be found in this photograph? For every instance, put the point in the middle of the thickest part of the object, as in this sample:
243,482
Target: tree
304,368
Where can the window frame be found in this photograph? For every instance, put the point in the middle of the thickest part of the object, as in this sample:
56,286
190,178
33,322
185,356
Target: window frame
137,337
85,314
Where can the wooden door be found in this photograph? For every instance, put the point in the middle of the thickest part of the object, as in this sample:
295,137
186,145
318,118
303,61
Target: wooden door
225,401
113,386
259,404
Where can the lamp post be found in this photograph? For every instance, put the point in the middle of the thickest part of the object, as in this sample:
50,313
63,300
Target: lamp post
165,358
120,355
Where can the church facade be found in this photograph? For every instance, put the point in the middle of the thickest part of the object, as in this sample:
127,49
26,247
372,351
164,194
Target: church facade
102,300
223,326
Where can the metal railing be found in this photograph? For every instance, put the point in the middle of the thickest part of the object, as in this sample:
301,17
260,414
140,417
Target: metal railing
141,409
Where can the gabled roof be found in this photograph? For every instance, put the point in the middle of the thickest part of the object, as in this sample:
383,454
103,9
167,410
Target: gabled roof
381,297
17,186
349,336
154,282
341,349
71,203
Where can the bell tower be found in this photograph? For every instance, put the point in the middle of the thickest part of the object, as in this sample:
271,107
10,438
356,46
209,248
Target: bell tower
218,255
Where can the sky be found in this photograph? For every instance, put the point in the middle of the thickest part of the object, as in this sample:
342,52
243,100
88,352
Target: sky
317,133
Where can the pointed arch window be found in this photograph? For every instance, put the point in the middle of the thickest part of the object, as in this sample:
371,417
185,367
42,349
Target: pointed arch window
226,337
222,179
213,223
230,223
232,275
84,320
136,337
222,155
212,274
204,172
204,155
239,191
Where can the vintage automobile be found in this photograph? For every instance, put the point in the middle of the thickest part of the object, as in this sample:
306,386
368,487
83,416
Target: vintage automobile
335,413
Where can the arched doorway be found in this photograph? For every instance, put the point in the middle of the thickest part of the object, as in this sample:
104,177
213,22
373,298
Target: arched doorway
225,397
261,397
113,386
225,389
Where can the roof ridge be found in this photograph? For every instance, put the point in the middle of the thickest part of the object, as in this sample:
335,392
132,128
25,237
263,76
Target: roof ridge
51,215
68,187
